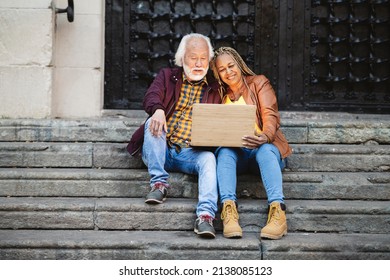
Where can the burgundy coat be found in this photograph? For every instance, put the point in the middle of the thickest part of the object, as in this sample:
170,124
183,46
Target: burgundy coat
163,94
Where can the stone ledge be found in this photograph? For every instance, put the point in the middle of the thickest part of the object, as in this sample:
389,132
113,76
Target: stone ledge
177,205
330,246
119,130
30,41
173,245
179,214
284,115
70,182
305,157
26,4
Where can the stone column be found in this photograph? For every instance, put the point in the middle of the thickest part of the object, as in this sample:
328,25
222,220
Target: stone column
26,51
78,79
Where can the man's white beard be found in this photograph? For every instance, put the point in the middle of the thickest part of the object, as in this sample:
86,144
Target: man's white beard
194,77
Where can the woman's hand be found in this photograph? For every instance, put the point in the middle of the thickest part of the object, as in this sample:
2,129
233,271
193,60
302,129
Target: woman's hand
253,142
158,123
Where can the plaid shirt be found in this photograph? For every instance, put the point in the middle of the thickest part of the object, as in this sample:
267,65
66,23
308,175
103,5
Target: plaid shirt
180,123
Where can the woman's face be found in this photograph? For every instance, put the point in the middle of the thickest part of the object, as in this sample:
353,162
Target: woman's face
228,69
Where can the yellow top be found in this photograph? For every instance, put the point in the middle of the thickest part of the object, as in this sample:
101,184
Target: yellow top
241,101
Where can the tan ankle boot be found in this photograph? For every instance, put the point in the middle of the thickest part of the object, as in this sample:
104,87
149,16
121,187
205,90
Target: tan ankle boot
276,225
229,216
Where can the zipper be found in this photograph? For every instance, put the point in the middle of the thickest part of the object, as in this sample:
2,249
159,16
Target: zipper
136,151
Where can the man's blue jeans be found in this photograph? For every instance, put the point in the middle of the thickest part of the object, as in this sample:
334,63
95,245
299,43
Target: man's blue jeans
234,161
160,158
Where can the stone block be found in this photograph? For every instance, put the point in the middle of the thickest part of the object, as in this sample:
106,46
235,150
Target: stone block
80,43
340,158
75,93
84,7
45,155
329,246
114,156
25,4
124,245
350,132
59,130
295,134
46,220
25,91
26,37
43,213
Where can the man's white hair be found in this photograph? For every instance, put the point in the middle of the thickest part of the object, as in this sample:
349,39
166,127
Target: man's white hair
179,56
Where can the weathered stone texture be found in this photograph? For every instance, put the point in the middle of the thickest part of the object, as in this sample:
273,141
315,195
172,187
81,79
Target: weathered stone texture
26,37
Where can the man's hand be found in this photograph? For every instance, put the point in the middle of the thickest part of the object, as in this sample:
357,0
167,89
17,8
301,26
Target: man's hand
158,123
253,142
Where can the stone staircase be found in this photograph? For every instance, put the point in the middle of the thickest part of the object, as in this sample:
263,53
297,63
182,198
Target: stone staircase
69,190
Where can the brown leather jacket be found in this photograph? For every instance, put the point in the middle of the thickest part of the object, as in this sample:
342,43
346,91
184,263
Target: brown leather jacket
261,93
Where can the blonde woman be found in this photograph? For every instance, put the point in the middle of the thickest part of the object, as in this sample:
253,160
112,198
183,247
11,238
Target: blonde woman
263,153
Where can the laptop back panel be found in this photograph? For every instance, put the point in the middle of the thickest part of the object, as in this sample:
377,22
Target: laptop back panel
215,125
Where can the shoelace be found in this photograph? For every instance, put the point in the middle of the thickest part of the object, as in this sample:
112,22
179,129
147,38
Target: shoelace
229,212
159,186
206,218
273,214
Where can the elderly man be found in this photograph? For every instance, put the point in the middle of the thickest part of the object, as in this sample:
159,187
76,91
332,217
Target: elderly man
166,135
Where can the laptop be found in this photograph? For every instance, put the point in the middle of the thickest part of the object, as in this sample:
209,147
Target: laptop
215,125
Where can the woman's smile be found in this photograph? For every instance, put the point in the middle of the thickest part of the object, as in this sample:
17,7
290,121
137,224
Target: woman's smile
228,69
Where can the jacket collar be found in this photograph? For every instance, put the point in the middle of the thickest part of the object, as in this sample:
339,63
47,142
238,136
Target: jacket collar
177,74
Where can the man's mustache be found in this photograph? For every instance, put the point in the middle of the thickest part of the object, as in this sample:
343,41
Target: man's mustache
198,69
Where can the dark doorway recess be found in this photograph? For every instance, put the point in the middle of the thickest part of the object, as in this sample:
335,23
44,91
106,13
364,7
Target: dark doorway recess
320,55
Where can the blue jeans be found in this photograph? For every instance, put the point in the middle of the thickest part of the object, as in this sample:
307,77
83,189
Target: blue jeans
234,161
160,158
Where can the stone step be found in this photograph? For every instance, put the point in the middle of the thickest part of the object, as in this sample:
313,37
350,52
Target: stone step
69,190
179,214
179,245
68,182
306,157
299,127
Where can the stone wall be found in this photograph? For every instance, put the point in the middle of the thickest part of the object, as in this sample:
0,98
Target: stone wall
49,67
79,60
26,52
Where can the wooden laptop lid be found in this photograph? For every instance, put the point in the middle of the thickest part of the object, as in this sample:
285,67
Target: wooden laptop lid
215,125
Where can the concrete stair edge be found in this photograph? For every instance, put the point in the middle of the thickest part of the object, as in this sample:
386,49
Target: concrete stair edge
305,157
90,190
55,244
299,128
179,214
70,182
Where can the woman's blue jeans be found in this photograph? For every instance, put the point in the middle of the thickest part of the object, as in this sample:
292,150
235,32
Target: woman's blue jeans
160,158
234,161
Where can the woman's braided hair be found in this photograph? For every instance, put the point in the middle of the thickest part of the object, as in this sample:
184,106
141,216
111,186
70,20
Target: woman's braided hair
245,70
